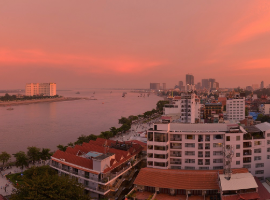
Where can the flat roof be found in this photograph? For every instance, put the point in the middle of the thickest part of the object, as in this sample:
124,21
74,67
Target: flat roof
263,126
103,156
93,154
237,182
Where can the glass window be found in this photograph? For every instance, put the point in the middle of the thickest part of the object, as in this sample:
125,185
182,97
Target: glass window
238,146
237,137
228,138
238,162
161,137
237,154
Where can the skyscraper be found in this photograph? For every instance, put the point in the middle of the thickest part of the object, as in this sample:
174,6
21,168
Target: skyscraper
262,84
154,86
189,79
180,84
164,86
205,84
211,82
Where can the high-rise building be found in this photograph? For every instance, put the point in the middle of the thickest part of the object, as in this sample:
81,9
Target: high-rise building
46,89
198,86
164,86
262,84
154,86
216,85
211,82
189,79
236,108
205,84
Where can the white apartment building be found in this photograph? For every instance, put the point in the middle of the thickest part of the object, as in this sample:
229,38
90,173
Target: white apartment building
46,89
202,147
188,108
235,108
265,109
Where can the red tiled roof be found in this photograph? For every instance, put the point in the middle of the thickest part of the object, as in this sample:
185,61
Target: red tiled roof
70,155
244,196
235,171
178,179
263,192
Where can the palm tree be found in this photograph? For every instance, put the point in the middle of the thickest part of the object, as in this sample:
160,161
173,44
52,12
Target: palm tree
45,154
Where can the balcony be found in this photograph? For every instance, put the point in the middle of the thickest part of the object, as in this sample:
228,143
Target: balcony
176,139
200,155
247,152
207,163
176,146
247,144
207,155
175,162
247,160
175,155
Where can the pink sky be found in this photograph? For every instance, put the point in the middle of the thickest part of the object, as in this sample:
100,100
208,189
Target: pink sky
112,44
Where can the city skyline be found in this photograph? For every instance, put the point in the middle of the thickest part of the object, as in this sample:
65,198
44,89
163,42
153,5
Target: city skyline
116,44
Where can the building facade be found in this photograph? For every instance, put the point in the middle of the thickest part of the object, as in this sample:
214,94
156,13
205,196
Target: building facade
235,108
106,168
154,86
189,79
46,89
205,84
203,146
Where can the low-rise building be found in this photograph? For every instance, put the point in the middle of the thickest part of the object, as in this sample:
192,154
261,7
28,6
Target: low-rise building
235,108
106,168
46,89
196,184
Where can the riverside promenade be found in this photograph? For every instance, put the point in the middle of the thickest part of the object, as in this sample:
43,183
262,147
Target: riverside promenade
4,181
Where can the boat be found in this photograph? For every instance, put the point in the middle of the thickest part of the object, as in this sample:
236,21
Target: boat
124,94
10,109
77,93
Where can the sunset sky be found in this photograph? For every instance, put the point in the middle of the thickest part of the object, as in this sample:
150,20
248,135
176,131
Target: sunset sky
130,43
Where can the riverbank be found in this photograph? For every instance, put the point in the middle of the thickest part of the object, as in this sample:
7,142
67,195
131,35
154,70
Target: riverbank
25,102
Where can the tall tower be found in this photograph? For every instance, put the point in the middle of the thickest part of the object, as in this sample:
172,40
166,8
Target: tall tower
189,79
262,84
211,82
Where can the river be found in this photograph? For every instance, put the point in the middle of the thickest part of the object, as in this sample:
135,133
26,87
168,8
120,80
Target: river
46,125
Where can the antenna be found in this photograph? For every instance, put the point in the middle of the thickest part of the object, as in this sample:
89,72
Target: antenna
228,154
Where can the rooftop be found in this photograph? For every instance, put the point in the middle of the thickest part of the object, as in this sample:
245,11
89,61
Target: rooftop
238,182
263,126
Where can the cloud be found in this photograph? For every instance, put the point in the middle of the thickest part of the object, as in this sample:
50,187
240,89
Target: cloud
80,63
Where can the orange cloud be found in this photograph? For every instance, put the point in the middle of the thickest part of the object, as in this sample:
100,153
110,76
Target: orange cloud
82,63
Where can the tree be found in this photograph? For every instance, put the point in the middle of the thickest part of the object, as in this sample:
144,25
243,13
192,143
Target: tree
45,154
33,154
84,138
43,183
106,134
70,144
246,111
4,157
113,130
160,105
62,148
21,159
124,120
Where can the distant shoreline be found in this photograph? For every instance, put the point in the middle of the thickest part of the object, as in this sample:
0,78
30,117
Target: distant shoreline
25,102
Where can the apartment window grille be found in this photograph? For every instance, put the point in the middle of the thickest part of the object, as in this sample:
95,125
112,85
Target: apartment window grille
218,161
268,134
238,146
247,166
190,153
207,161
203,168
257,143
207,146
237,138
258,165
217,153
189,144
207,154
257,158
259,172
268,156
268,149
268,141
257,150
237,162
200,162
190,168
189,160
237,154
190,137
228,138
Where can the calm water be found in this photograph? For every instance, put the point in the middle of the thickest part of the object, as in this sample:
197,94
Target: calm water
46,125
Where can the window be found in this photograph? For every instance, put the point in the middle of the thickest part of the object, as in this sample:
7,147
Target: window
217,144
268,141
257,143
259,172
150,136
238,162
268,156
190,137
189,160
218,161
259,165
238,146
218,167
268,149
268,134
228,138
257,150
247,166
190,153
237,154
237,137
189,145
219,153
190,168
257,158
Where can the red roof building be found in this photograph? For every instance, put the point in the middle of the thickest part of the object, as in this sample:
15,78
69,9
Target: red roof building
101,166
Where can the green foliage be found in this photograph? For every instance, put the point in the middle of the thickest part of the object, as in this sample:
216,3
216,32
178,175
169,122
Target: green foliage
160,105
263,118
124,120
4,157
246,112
44,183
21,159
84,138
33,153
8,97
224,108
62,148
106,134
45,154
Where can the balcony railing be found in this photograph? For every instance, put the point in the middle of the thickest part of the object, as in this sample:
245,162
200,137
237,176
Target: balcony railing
176,139
207,155
176,147
200,155
175,162
176,155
